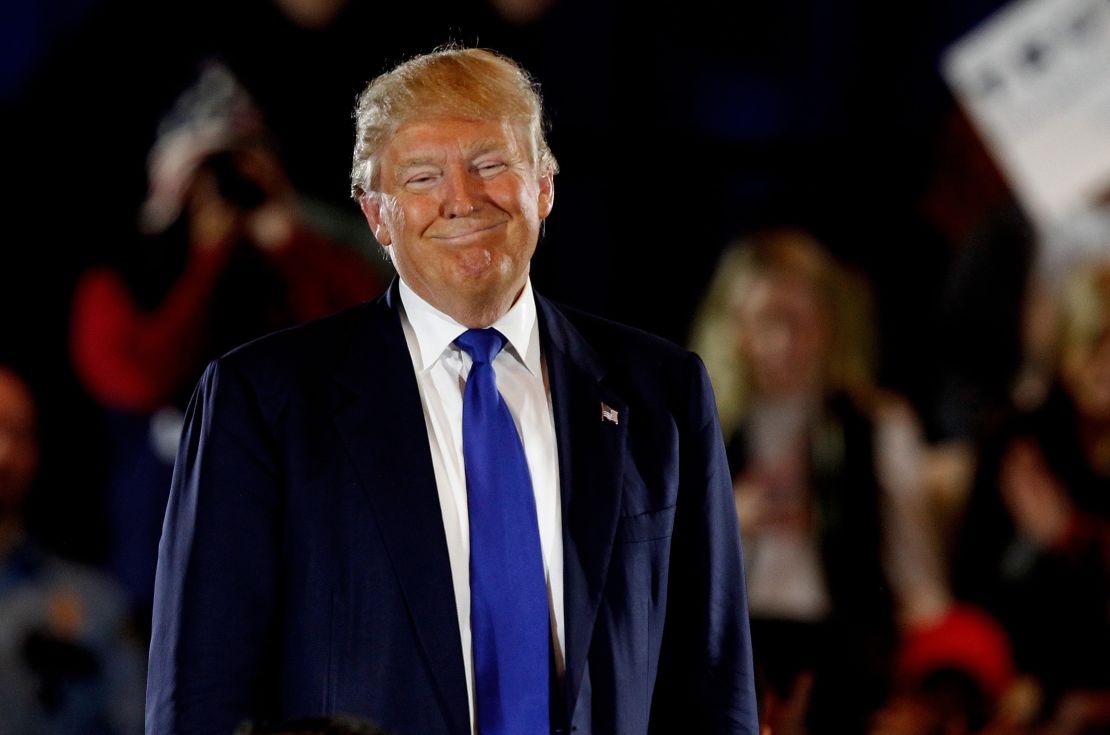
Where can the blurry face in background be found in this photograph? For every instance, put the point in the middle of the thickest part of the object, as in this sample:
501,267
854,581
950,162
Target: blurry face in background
19,454
1086,377
784,335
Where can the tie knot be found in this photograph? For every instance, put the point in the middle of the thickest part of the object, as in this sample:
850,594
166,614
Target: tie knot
481,344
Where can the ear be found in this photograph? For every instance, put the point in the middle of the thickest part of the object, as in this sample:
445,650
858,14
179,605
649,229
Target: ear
547,193
371,205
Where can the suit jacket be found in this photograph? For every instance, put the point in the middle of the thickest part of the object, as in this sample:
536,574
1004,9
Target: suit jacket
303,567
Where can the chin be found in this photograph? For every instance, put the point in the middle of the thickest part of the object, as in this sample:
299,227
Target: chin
475,261
486,270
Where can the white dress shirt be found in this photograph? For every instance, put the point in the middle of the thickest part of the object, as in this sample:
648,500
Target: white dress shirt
441,370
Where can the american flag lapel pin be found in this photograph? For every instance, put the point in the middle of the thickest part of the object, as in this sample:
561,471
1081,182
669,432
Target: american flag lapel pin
610,414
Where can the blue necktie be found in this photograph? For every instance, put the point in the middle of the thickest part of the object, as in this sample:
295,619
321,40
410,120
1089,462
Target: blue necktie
509,622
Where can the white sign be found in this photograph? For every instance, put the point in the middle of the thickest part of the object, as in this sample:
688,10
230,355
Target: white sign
1035,79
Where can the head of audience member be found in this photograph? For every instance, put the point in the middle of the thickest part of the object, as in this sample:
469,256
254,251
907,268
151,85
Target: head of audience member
313,15
454,175
214,168
951,675
781,318
1084,342
19,449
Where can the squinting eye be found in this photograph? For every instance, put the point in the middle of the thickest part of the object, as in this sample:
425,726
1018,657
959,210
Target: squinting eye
424,181
491,169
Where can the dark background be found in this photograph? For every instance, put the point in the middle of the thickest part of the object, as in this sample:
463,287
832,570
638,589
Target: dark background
678,129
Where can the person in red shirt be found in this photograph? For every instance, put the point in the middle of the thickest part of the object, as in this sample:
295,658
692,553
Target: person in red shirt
221,256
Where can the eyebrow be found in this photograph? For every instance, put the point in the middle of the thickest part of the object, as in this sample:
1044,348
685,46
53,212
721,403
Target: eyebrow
488,146
416,162
479,148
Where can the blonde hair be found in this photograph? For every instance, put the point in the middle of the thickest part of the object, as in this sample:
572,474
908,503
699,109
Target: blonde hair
849,364
466,83
1084,316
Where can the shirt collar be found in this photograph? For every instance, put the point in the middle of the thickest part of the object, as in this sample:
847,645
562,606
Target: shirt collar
436,332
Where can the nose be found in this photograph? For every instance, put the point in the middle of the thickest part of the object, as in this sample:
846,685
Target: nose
461,192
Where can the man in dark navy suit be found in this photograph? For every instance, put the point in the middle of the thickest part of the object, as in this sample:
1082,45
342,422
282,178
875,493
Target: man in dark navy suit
459,508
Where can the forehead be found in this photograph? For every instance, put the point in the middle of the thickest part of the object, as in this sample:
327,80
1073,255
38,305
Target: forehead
437,138
769,291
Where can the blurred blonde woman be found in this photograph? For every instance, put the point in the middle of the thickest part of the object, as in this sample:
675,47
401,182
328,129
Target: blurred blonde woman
1035,544
826,468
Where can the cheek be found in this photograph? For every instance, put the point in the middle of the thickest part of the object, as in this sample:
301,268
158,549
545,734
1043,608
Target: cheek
516,197
770,342
1095,386
1080,381
811,345
397,220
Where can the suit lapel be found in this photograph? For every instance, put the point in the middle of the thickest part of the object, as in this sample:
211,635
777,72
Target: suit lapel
376,407
590,467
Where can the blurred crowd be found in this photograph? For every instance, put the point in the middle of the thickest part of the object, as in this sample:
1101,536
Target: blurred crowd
898,585
920,450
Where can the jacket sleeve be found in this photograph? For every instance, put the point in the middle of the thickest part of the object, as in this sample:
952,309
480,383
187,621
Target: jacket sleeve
705,682
214,598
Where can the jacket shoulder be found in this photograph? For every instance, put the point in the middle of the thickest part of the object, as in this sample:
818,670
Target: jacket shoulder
318,342
300,360
620,344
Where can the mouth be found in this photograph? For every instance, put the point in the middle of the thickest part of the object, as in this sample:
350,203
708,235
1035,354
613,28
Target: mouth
469,233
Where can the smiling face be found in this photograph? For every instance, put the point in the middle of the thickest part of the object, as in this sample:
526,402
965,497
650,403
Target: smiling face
785,335
459,208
